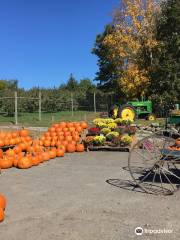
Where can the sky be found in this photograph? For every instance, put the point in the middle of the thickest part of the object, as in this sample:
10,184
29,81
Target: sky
43,41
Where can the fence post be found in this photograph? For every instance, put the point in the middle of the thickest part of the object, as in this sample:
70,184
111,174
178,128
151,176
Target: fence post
40,106
15,107
94,102
72,105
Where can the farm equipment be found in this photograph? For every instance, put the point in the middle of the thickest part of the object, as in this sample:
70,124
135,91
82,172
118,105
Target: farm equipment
132,110
154,163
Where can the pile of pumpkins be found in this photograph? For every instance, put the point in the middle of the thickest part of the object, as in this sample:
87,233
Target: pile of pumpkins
60,138
14,137
2,207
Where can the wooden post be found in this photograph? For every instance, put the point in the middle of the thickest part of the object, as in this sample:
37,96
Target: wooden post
16,108
40,106
72,105
94,102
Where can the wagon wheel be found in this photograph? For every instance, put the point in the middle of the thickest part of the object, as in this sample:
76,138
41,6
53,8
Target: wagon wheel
152,166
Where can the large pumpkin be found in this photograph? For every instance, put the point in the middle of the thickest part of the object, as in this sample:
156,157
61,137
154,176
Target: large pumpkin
70,148
24,163
2,201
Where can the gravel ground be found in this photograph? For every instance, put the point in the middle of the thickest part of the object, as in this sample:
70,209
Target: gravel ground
69,199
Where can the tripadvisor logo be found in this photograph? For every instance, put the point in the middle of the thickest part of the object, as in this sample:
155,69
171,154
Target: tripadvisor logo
139,231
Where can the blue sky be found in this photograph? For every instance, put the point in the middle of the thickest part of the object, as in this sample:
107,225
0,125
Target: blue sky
43,41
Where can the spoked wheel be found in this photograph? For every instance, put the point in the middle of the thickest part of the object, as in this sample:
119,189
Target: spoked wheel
154,167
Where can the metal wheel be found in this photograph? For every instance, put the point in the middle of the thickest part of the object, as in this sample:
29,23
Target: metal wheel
153,166
127,112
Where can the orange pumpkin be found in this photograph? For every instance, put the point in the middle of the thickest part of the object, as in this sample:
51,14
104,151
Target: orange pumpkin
35,160
62,147
60,152
1,215
69,138
71,148
80,148
6,142
24,133
47,143
84,125
52,154
6,163
24,163
17,149
46,156
1,143
2,201
10,152
62,124
79,129
76,138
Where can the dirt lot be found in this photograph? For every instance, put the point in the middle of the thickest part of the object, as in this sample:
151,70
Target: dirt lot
69,199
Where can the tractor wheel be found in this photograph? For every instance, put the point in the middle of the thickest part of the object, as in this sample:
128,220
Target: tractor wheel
113,113
151,117
127,112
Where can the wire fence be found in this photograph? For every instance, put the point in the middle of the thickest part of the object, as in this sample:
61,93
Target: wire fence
15,106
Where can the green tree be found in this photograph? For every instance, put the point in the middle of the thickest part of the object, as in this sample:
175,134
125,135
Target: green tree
108,72
165,74
72,84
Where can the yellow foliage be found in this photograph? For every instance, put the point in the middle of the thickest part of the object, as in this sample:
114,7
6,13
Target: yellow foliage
134,24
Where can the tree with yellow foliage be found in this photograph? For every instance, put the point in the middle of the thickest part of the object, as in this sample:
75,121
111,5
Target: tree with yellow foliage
133,29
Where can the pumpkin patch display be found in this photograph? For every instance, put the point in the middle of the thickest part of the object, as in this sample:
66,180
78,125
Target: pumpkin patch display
59,138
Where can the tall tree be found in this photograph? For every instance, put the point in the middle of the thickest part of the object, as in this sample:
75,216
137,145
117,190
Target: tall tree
165,74
133,26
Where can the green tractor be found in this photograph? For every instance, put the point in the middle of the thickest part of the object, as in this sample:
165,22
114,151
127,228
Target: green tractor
132,110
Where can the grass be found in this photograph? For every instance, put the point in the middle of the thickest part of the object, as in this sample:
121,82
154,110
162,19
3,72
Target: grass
31,119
